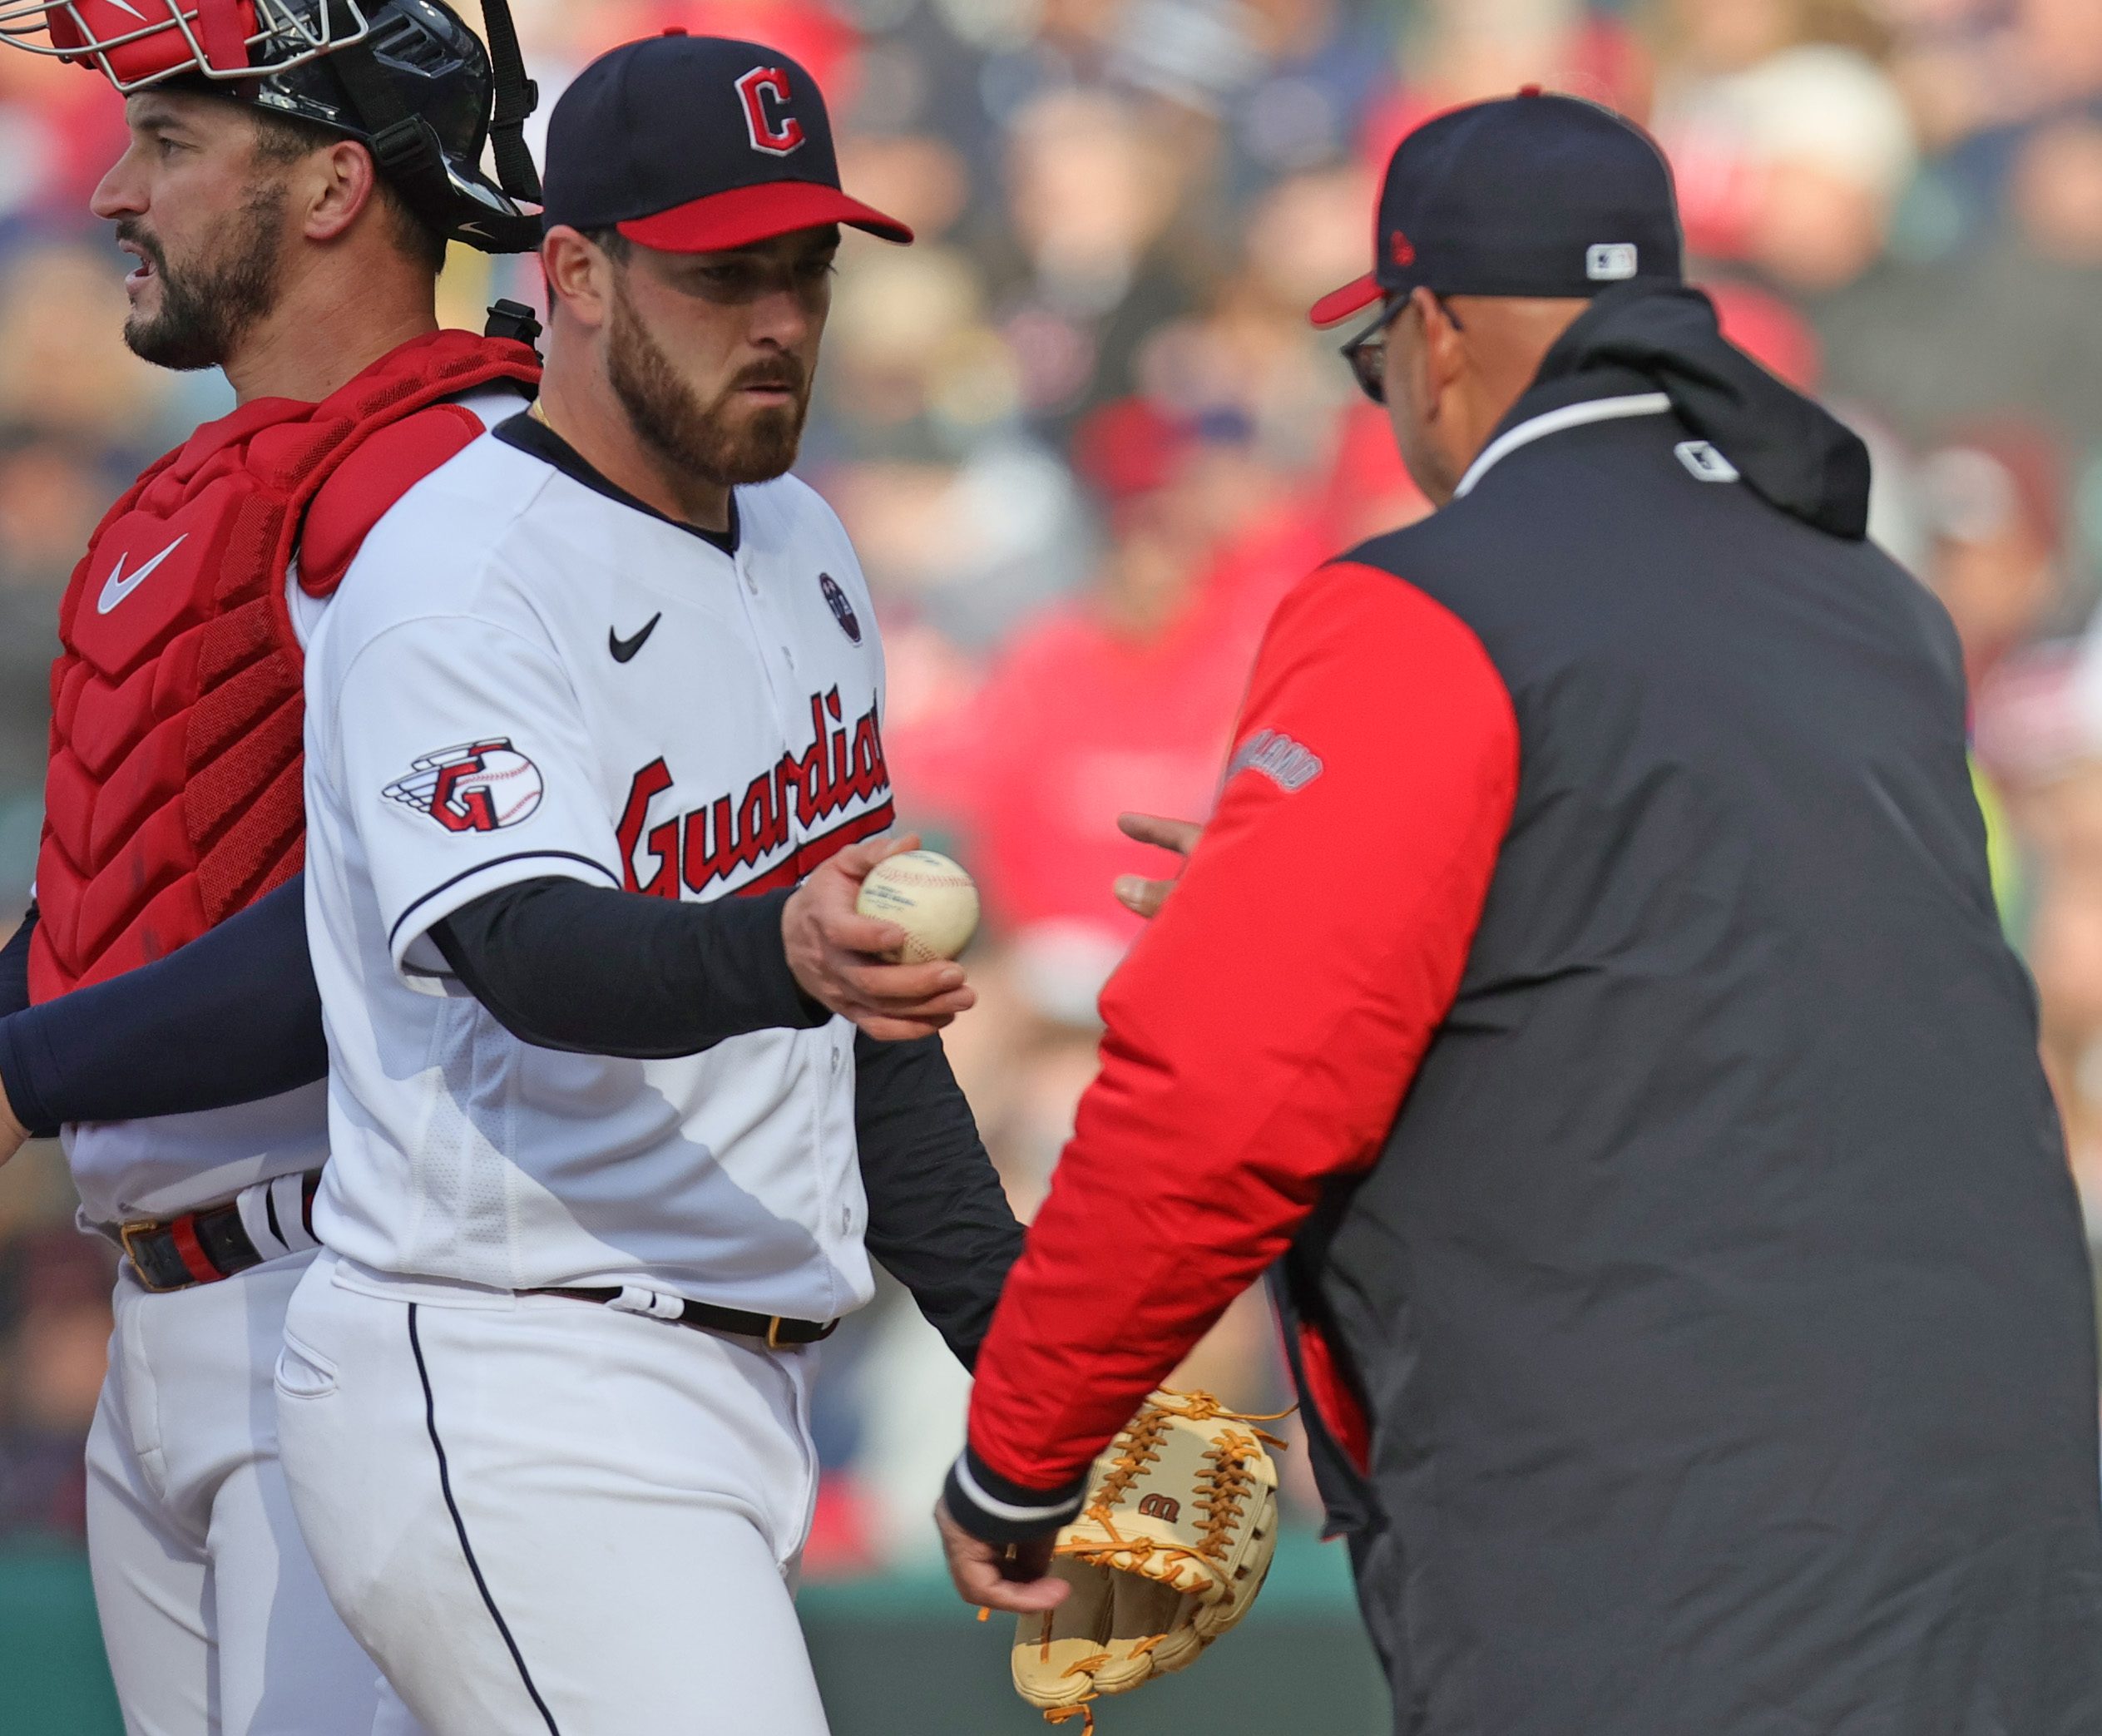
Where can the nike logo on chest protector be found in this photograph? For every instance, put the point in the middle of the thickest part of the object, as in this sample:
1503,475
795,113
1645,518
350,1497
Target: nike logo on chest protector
624,649
117,587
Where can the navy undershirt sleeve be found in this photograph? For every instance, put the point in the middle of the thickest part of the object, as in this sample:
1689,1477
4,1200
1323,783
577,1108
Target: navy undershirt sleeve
591,971
938,1219
14,966
232,1016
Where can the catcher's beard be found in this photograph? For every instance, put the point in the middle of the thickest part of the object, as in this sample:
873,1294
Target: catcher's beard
210,302
703,440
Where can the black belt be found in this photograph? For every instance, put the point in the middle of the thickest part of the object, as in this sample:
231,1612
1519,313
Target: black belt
777,1329
203,1246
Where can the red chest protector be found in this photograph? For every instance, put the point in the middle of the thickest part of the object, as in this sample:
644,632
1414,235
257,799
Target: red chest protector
173,798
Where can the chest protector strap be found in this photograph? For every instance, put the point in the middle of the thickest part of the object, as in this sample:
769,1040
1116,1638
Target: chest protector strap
173,798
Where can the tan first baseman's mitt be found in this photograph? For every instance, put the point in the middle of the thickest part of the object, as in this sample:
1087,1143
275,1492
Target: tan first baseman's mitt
1168,1553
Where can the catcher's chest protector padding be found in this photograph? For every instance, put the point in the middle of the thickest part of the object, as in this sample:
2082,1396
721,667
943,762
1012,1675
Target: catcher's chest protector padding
173,797
1168,1553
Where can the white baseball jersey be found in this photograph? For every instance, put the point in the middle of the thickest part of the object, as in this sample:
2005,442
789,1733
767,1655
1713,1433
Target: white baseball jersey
158,1165
528,674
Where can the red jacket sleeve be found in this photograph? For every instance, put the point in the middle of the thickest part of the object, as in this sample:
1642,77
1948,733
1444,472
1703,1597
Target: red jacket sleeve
1261,1034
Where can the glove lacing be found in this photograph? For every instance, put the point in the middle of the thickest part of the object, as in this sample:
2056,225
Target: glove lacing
1221,1492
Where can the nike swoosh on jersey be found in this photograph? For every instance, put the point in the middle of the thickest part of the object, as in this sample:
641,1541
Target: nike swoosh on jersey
624,649
117,587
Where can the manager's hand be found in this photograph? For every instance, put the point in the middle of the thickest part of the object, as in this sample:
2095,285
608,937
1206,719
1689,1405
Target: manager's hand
13,1134
1014,1576
836,953
1134,892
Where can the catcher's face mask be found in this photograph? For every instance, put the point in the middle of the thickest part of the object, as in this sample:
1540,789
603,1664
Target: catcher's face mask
137,43
406,78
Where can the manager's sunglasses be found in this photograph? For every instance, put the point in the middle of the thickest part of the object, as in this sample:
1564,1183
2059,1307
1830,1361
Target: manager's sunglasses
1367,352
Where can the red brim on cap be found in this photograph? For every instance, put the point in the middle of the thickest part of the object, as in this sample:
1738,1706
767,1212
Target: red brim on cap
1337,304
742,215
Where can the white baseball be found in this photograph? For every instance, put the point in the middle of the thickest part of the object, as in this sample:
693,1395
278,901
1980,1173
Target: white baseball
926,895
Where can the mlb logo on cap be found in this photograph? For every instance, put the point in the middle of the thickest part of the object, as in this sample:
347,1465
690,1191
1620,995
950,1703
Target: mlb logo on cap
1611,261
696,144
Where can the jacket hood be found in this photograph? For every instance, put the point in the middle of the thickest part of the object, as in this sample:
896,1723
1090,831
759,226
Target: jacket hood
1788,450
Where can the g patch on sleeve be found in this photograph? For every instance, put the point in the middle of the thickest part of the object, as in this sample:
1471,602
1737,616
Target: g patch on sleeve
476,786
1288,763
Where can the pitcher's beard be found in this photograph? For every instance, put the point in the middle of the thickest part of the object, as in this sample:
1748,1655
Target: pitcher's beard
701,439
209,304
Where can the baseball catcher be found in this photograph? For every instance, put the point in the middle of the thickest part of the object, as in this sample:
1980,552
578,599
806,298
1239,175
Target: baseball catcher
295,174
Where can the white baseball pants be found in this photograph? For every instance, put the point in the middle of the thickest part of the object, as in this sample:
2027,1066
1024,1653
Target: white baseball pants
545,1517
213,1619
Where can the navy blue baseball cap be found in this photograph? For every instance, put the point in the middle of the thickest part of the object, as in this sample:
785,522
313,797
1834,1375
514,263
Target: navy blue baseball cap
696,144
1530,195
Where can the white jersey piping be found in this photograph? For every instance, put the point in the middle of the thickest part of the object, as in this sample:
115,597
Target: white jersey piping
1008,1510
1553,422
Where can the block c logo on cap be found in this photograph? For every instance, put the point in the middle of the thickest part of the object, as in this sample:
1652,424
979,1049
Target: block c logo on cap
775,138
1609,261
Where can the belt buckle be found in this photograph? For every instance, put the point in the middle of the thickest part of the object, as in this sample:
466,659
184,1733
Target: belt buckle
146,1226
773,1330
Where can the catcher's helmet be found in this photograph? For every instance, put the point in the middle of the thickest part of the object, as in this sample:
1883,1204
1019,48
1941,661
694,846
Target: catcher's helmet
406,77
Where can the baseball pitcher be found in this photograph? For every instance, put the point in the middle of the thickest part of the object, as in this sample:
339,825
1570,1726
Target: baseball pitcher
594,765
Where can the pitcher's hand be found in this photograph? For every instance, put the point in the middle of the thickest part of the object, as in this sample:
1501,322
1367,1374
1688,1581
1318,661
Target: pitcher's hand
1134,892
836,953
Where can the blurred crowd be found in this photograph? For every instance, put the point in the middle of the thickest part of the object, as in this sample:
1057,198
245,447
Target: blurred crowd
1084,438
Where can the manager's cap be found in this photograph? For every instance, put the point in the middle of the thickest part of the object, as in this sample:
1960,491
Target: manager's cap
1527,195
696,144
